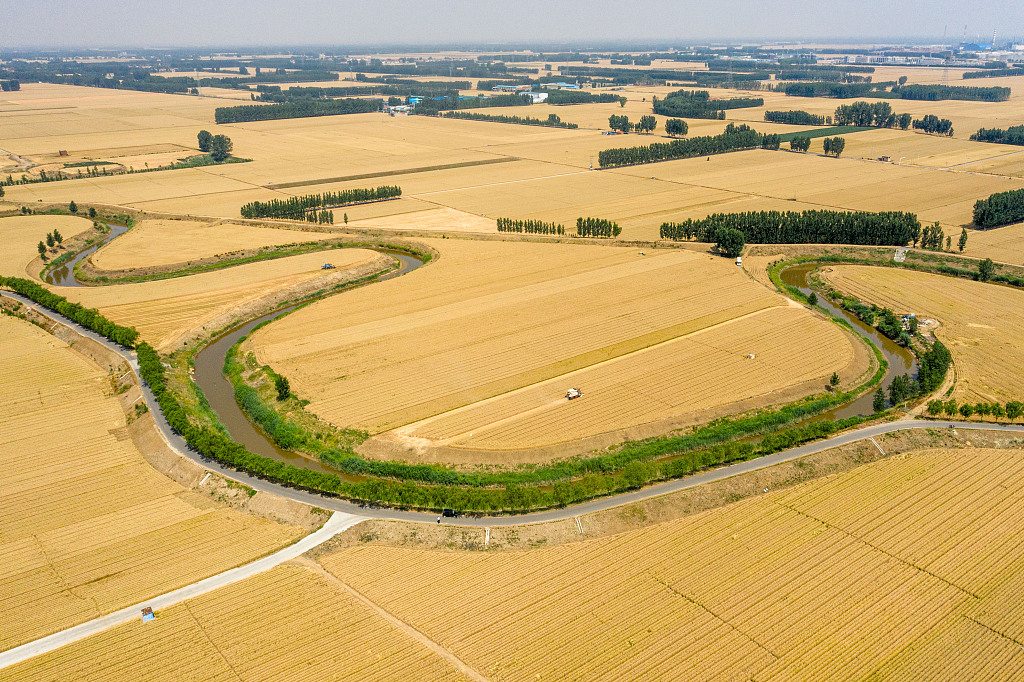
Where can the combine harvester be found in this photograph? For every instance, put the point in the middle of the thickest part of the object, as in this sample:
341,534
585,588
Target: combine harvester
573,393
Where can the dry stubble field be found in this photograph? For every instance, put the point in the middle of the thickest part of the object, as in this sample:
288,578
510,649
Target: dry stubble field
527,172
904,569
165,310
21,233
981,323
637,332
86,525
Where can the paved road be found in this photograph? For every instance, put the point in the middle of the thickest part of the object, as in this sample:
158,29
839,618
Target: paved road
337,523
178,444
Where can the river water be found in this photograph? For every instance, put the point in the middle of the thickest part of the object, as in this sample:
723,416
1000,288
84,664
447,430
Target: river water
64,276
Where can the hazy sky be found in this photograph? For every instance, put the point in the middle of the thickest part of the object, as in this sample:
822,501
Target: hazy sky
111,23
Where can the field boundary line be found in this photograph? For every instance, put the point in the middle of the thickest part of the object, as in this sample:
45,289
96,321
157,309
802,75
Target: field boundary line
394,620
385,174
338,522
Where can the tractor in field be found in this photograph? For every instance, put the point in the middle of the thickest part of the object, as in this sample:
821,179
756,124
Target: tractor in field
573,393
326,266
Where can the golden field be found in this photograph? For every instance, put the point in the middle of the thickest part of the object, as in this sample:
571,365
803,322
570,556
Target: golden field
21,234
869,574
1002,244
167,309
492,318
287,624
980,323
500,169
156,242
86,525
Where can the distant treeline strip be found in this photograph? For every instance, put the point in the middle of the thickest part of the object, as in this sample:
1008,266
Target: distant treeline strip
552,121
295,109
698,104
1001,208
597,227
1012,135
295,208
801,118
734,138
529,226
890,228
87,317
994,73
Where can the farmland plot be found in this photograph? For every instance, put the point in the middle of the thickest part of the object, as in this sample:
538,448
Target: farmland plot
868,572
156,242
20,234
455,334
287,624
86,525
1001,244
981,323
164,310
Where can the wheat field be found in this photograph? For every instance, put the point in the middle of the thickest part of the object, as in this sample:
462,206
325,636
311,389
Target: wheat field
86,525
980,323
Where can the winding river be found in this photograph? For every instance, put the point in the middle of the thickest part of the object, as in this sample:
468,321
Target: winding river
209,361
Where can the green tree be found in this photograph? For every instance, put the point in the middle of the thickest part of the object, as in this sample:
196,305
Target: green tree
1,191
986,269
73,207
903,120
800,144
878,404
729,241
966,410
41,247
284,389
647,124
837,146
676,127
92,212
962,242
49,240
346,218
205,138
1014,409
58,237
950,408
902,80
834,380
812,299
935,407
220,147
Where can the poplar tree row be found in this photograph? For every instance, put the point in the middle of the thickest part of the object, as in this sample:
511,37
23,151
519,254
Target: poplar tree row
597,227
296,208
890,228
294,109
529,226
1001,208
735,137
801,118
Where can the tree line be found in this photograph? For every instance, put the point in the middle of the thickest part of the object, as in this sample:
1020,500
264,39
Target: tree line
935,125
1011,135
529,226
294,109
993,73
89,318
698,104
870,115
1001,208
552,121
800,118
1013,410
832,146
295,208
734,138
597,227
889,228
646,124
430,107
580,97
934,93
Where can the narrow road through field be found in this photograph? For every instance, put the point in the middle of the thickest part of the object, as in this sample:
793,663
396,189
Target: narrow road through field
178,444
336,524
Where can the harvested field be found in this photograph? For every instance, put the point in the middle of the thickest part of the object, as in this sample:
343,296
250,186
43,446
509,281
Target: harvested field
491,318
164,242
981,323
898,560
86,525
1002,244
680,381
164,310
21,234
434,220
287,624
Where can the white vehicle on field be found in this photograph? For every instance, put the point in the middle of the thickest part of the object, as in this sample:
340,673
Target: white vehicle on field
573,393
